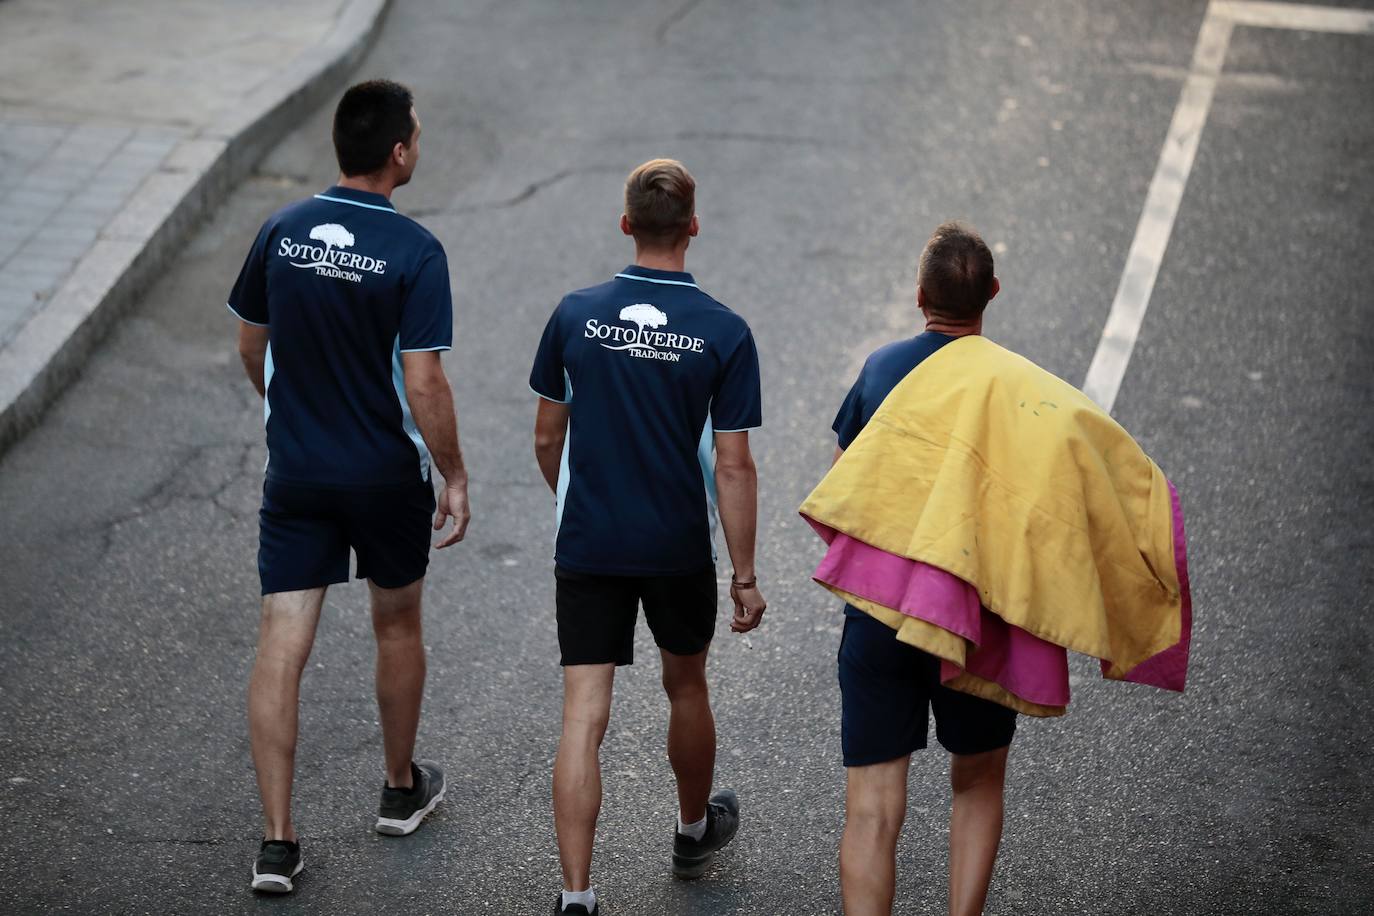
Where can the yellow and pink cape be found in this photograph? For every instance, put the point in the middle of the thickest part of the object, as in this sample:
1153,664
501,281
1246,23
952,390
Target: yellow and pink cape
994,516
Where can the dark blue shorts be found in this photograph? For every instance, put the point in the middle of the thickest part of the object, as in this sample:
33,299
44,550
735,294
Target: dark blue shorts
306,533
887,689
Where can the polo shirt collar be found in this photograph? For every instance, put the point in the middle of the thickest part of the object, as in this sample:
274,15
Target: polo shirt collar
358,198
664,277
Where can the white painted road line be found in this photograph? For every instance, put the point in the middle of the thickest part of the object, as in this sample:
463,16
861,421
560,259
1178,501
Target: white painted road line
1295,16
1157,220
1132,299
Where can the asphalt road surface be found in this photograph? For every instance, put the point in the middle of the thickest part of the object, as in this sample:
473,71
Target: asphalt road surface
827,140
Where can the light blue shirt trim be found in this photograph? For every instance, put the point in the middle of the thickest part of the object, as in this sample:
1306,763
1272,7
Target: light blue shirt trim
561,495
706,456
745,429
244,320
398,381
356,203
426,349
268,367
564,471
656,280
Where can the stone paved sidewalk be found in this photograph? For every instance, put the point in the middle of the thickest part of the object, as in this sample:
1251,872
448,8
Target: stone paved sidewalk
60,185
118,122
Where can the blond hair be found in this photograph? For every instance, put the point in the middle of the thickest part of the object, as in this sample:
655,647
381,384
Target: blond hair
660,200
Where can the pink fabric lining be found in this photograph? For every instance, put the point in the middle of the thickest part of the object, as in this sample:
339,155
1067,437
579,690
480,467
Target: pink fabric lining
1020,662
1025,665
1169,669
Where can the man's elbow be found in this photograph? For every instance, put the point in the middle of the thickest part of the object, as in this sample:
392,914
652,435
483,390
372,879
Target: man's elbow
546,444
736,468
425,387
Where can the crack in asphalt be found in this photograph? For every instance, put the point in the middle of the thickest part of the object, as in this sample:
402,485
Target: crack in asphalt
673,18
246,466
161,495
529,191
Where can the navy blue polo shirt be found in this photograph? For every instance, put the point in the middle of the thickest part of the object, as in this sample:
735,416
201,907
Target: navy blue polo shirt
345,285
883,370
651,368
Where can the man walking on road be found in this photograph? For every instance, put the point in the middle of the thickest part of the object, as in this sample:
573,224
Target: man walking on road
648,389
888,687
345,307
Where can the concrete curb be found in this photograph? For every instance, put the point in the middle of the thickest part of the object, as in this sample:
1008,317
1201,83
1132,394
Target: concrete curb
49,352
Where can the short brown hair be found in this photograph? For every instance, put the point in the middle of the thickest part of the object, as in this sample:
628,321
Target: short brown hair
956,271
660,199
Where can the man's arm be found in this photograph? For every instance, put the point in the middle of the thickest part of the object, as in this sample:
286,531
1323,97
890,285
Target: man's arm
839,450
431,404
737,484
550,432
253,351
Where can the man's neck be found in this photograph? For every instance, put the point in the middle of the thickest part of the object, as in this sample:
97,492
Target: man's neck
954,328
372,184
675,260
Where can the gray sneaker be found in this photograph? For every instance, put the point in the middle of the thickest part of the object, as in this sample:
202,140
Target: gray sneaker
278,862
402,810
692,857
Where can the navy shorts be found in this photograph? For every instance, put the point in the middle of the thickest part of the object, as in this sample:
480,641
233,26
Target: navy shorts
597,613
887,689
306,533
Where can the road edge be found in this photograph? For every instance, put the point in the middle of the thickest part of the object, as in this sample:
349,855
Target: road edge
50,351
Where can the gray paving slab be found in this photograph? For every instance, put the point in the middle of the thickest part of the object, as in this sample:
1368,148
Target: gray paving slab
126,123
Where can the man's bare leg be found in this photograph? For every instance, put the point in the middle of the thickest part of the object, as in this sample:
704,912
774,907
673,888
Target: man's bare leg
285,637
400,674
691,732
975,827
875,807
577,768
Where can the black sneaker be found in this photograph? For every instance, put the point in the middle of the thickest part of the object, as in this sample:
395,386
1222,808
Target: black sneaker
692,857
402,809
574,909
278,862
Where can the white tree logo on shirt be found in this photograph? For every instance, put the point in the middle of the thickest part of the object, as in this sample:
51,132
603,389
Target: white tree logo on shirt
645,340
334,236
644,315
329,258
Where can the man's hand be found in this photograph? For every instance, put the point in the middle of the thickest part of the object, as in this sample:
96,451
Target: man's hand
749,607
453,501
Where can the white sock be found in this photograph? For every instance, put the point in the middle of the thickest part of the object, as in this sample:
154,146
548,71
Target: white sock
587,898
695,831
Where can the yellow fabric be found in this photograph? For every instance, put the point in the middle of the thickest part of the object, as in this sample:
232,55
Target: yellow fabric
985,465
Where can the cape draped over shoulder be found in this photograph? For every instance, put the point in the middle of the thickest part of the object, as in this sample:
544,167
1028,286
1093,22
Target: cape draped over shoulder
996,517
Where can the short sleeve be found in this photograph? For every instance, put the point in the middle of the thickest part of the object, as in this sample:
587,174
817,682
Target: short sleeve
248,299
737,404
427,312
549,378
849,422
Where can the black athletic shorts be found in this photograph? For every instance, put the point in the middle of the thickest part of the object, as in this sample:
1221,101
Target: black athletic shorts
596,614
305,534
887,689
